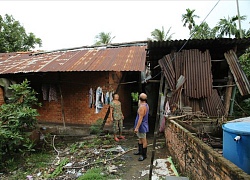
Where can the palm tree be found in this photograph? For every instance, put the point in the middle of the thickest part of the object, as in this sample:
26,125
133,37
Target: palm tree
188,18
228,27
203,31
160,35
103,38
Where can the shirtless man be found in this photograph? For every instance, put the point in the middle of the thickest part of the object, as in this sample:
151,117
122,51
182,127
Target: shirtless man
141,127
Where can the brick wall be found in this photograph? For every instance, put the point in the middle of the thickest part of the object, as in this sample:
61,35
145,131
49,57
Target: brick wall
196,159
75,89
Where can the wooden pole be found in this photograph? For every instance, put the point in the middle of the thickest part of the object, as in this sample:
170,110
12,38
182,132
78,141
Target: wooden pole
156,126
228,93
62,102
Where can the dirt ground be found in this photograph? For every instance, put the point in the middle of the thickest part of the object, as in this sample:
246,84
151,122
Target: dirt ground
133,168
83,152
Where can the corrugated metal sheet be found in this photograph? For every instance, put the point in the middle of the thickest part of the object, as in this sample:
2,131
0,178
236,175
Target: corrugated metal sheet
196,68
168,70
130,58
239,76
213,105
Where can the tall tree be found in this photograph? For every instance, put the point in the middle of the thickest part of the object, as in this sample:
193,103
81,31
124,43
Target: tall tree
203,31
160,35
13,36
188,18
228,27
103,38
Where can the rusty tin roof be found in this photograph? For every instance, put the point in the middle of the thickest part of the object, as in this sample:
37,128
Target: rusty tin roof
130,58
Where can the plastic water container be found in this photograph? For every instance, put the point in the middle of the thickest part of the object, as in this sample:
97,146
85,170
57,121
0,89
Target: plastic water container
236,144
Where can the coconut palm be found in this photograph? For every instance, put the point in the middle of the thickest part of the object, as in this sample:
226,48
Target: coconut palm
103,38
160,35
228,26
203,31
188,18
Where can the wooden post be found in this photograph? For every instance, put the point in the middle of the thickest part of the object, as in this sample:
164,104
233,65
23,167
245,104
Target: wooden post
62,102
156,126
228,93
232,101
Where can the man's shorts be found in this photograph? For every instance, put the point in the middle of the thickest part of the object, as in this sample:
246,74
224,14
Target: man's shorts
141,135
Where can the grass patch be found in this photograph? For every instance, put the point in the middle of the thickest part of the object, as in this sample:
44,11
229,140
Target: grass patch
96,174
26,165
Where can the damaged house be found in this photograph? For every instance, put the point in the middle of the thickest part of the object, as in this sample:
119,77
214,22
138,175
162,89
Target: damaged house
75,86
201,76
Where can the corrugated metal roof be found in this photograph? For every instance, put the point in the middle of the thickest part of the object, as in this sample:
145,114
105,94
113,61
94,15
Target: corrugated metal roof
157,49
130,58
213,105
239,76
195,66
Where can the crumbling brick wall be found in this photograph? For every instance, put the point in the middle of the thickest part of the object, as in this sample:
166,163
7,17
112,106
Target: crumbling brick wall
196,159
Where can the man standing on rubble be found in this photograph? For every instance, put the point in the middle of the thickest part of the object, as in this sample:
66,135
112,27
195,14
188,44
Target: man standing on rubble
141,126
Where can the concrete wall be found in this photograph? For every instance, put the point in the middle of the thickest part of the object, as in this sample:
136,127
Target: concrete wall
196,159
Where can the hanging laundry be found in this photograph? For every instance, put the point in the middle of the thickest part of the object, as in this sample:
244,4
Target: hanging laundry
107,98
98,102
102,98
90,98
163,120
110,97
52,93
167,109
45,92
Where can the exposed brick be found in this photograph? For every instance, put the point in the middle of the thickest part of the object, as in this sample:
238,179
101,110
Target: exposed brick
206,163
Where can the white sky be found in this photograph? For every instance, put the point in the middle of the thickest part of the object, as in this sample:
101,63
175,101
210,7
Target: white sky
66,24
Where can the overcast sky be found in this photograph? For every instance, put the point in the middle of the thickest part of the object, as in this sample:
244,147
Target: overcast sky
66,24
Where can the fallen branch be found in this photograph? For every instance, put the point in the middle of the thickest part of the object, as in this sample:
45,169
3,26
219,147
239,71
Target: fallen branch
58,152
105,161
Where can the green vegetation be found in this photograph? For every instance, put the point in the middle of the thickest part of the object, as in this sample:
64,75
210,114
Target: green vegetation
95,174
103,38
135,96
23,166
13,36
160,35
59,168
95,128
18,118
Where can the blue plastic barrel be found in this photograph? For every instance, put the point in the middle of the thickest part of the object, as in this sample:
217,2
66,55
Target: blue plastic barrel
236,144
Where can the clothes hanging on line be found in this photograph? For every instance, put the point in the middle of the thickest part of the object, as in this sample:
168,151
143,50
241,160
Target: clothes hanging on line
91,98
52,93
110,97
98,102
107,98
49,92
45,90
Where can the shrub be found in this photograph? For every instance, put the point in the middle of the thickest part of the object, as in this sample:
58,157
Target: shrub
16,118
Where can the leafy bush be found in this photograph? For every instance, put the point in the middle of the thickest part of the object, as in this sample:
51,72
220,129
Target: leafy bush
16,118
